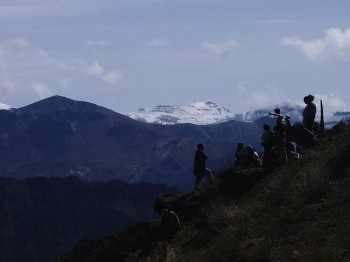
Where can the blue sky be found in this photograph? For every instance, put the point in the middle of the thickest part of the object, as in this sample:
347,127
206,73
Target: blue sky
129,54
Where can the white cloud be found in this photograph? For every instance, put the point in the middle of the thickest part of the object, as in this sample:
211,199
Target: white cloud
335,43
4,106
112,77
8,87
160,42
64,82
254,98
332,102
260,99
222,49
41,90
51,73
16,42
95,69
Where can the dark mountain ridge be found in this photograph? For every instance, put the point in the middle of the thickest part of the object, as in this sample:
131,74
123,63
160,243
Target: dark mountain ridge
58,136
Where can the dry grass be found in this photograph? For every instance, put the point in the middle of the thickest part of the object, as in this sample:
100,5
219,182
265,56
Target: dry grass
299,212
287,215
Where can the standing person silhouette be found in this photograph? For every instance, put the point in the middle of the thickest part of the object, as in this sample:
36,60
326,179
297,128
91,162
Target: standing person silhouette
309,112
199,167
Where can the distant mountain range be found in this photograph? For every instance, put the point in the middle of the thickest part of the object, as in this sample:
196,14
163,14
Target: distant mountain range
209,112
58,136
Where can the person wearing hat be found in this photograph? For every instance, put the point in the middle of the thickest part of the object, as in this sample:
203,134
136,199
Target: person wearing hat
199,165
276,112
309,113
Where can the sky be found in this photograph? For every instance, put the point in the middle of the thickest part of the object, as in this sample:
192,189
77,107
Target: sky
131,54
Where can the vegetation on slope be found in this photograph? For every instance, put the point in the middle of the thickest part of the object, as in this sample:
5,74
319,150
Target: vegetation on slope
297,213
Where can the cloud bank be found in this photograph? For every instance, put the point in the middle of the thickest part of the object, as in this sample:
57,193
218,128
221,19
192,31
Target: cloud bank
335,43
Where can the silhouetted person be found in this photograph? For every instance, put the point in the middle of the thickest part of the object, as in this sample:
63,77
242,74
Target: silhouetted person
247,157
267,141
309,113
276,112
169,223
289,127
304,137
267,138
280,140
199,167
293,149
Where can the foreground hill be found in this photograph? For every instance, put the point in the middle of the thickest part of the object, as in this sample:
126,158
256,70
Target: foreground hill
58,136
297,213
43,217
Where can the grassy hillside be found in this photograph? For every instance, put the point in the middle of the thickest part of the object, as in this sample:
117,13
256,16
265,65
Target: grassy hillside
297,213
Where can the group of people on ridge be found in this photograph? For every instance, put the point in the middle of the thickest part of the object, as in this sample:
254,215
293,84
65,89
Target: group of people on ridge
279,146
280,143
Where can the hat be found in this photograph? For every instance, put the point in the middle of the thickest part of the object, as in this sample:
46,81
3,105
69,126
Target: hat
287,117
277,111
308,99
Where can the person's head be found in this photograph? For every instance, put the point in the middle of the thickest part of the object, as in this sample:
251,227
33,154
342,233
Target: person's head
287,118
277,111
240,146
200,146
308,99
267,127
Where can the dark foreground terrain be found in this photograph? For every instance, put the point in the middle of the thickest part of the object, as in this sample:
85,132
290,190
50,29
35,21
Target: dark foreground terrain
42,217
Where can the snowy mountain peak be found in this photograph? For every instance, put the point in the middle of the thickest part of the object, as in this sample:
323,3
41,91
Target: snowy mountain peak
4,106
209,112
199,113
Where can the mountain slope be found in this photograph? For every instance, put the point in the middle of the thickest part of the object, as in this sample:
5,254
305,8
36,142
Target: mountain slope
58,136
43,217
296,213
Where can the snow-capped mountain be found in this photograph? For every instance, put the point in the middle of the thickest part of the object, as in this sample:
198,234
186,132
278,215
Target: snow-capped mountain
199,113
333,118
209,112
4,106
205,113
294,111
